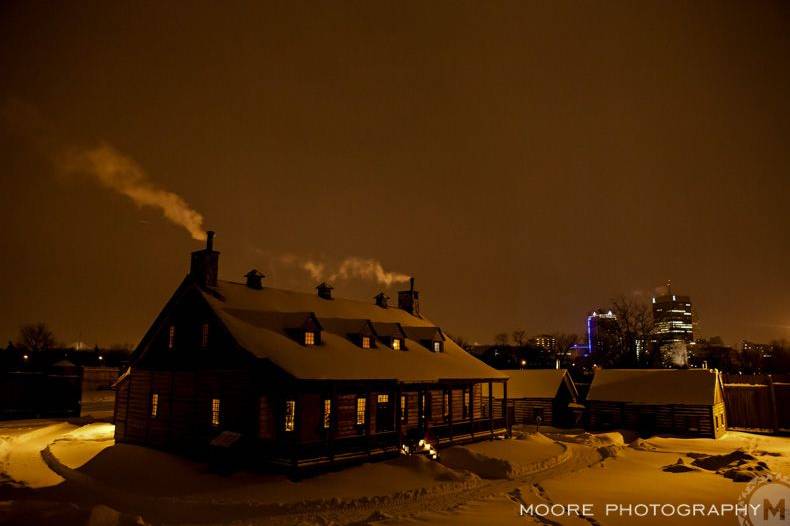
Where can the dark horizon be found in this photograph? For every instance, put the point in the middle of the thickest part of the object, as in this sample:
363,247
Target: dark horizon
526,163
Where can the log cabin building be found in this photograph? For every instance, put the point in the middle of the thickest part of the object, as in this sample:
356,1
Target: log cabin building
299,379
547,394
677,401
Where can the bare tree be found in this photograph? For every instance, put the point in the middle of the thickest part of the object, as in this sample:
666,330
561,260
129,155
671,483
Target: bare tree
520,337
35,337
563,345
501,338
635,321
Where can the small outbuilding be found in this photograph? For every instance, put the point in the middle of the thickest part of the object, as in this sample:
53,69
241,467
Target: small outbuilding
545,396
683,402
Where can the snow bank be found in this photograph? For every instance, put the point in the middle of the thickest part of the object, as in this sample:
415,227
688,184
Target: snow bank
506,459
77,447
460,457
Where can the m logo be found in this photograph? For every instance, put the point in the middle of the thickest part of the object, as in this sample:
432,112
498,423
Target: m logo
774,509
766,499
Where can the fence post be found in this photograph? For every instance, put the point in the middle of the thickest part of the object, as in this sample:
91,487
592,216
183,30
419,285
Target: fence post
774,414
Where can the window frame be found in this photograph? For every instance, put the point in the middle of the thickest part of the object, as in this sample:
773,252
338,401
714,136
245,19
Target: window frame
326,416
437,347
154,405
310,339
362,410
171,337
404,408
396,344
366,342
216,412
289,416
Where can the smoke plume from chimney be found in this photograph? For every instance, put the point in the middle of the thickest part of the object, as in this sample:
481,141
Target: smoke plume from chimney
113,170
349,268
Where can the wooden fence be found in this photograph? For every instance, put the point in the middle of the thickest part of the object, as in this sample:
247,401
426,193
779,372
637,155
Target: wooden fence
757,402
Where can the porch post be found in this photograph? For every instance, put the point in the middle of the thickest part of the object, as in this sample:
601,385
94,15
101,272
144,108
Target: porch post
472,410
399,415
450,413
332,422
491,407
505,408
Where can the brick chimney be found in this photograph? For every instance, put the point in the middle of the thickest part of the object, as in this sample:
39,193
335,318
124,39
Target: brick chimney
325,290
205,263
382,300
254,279
409,300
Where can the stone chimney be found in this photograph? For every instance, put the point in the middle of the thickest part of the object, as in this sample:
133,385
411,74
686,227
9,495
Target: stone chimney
254,279
204,267
382,300
325,290
409,300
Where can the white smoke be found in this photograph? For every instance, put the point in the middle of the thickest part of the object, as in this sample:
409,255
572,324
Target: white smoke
350,268
367,269
115,171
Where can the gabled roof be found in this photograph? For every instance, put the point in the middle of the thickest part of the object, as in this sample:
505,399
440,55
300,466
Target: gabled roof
348,326
537,383
389,329
654,386
257,319
432,334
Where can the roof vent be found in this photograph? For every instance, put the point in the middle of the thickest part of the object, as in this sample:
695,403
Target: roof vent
382,300
325,290
254,279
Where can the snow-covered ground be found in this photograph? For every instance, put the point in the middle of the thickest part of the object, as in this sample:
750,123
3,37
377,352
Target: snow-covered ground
66,473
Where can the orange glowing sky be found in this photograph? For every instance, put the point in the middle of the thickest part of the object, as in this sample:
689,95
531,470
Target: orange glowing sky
525,161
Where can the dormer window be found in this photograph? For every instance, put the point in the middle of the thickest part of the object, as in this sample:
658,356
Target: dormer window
366,343
309,338
396,344
437,346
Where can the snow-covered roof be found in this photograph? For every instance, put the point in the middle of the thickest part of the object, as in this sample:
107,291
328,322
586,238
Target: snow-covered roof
259,321
654,386
532,383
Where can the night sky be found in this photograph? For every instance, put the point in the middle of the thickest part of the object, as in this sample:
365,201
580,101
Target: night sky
525,161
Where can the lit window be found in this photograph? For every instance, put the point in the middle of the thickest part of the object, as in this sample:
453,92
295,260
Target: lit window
154,405
437,346
403,408
383,398
204,335
366,342
327,413
309,338
290,415
361,411
171,337
446,404
215,411
396,344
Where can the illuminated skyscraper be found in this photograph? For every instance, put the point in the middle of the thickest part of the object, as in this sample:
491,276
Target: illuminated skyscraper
602,331
672,318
